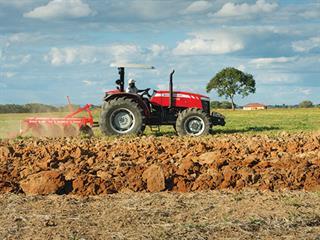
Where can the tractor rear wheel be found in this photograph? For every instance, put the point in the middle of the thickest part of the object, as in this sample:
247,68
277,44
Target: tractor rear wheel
192,122
121,116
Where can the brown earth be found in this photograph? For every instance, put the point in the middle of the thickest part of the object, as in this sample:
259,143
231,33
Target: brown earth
101,166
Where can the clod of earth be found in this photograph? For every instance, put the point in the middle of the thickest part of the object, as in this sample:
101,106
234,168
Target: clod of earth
99,166
43,183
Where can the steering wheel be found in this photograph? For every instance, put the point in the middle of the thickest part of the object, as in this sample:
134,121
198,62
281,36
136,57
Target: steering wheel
145,92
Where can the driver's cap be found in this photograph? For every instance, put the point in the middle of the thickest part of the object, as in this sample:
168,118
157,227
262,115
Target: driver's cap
131,81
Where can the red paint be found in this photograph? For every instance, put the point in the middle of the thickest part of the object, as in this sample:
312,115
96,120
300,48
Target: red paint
181,99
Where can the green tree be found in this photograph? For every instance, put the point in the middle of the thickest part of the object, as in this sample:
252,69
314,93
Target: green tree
306,104
215,104
226,105
230,82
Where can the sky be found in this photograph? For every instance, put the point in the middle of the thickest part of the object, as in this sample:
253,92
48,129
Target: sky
50,49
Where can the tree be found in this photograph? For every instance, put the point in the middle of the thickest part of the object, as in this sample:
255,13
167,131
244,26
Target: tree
226,105
306,104
230,82
215,104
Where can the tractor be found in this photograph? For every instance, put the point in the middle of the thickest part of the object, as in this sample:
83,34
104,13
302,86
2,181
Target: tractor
128,113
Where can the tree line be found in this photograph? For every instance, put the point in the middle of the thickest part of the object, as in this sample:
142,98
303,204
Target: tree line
32,108
228,105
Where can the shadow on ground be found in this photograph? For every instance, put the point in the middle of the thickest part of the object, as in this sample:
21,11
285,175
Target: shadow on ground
253,129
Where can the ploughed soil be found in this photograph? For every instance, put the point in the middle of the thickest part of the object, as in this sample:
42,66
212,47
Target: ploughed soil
152,164
167,215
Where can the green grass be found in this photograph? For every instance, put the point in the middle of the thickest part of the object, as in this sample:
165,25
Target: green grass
269,121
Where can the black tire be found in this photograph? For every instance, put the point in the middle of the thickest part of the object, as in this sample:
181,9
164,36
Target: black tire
192,122
121,116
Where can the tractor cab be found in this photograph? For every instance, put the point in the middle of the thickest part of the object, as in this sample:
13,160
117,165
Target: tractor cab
130,113
121,69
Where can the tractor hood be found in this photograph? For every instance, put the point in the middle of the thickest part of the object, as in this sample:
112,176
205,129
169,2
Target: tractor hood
179,94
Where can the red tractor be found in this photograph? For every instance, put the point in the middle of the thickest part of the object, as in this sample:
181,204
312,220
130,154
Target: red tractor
128,113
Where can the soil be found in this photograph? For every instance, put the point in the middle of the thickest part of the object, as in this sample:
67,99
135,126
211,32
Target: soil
80,166
167,215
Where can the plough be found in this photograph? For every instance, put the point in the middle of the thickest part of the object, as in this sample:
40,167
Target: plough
67,126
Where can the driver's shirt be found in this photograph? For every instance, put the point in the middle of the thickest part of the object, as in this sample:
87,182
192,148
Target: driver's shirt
132,89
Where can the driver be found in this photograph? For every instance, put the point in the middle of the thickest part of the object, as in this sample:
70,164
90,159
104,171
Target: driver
132,87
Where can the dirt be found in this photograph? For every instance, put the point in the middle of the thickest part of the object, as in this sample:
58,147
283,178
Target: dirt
167,215
151,164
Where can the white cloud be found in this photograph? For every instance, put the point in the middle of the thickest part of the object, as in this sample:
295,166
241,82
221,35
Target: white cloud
277,78
241,67
7,74
266,61
22,37
61,9
245,10
25,59
209,43
197,6
92,54
306,45
88,82
314,13
304,91
157,49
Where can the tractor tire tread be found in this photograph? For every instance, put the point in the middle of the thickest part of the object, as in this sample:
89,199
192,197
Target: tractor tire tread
183,115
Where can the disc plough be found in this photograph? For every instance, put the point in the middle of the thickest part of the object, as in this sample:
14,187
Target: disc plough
68,126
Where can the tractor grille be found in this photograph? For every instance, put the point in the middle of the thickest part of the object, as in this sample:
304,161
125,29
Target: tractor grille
205,106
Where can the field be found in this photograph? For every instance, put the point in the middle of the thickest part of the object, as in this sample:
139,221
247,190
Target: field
257,177
269,122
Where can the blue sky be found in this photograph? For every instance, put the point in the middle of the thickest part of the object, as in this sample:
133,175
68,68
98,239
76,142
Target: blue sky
53,48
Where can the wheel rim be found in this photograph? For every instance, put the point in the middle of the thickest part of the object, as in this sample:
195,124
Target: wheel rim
122,120
194,125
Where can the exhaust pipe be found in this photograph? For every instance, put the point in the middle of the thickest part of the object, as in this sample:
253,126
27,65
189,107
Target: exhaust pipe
121,82
171,102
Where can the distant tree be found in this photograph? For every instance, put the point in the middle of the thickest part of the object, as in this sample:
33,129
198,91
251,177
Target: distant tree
230,82
306,104
215,104
226,105
221,105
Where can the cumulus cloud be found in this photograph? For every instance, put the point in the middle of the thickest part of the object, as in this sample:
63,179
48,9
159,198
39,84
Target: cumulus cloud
197,6
306,45
209,44
157,49
266,61
61,9
245,10
92,54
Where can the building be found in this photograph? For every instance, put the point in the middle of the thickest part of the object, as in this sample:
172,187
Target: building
254,106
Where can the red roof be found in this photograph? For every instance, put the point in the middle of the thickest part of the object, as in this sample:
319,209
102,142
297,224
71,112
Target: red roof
255,105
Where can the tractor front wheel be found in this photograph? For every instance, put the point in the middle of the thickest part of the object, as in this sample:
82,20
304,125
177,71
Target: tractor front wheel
121,116
192,122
